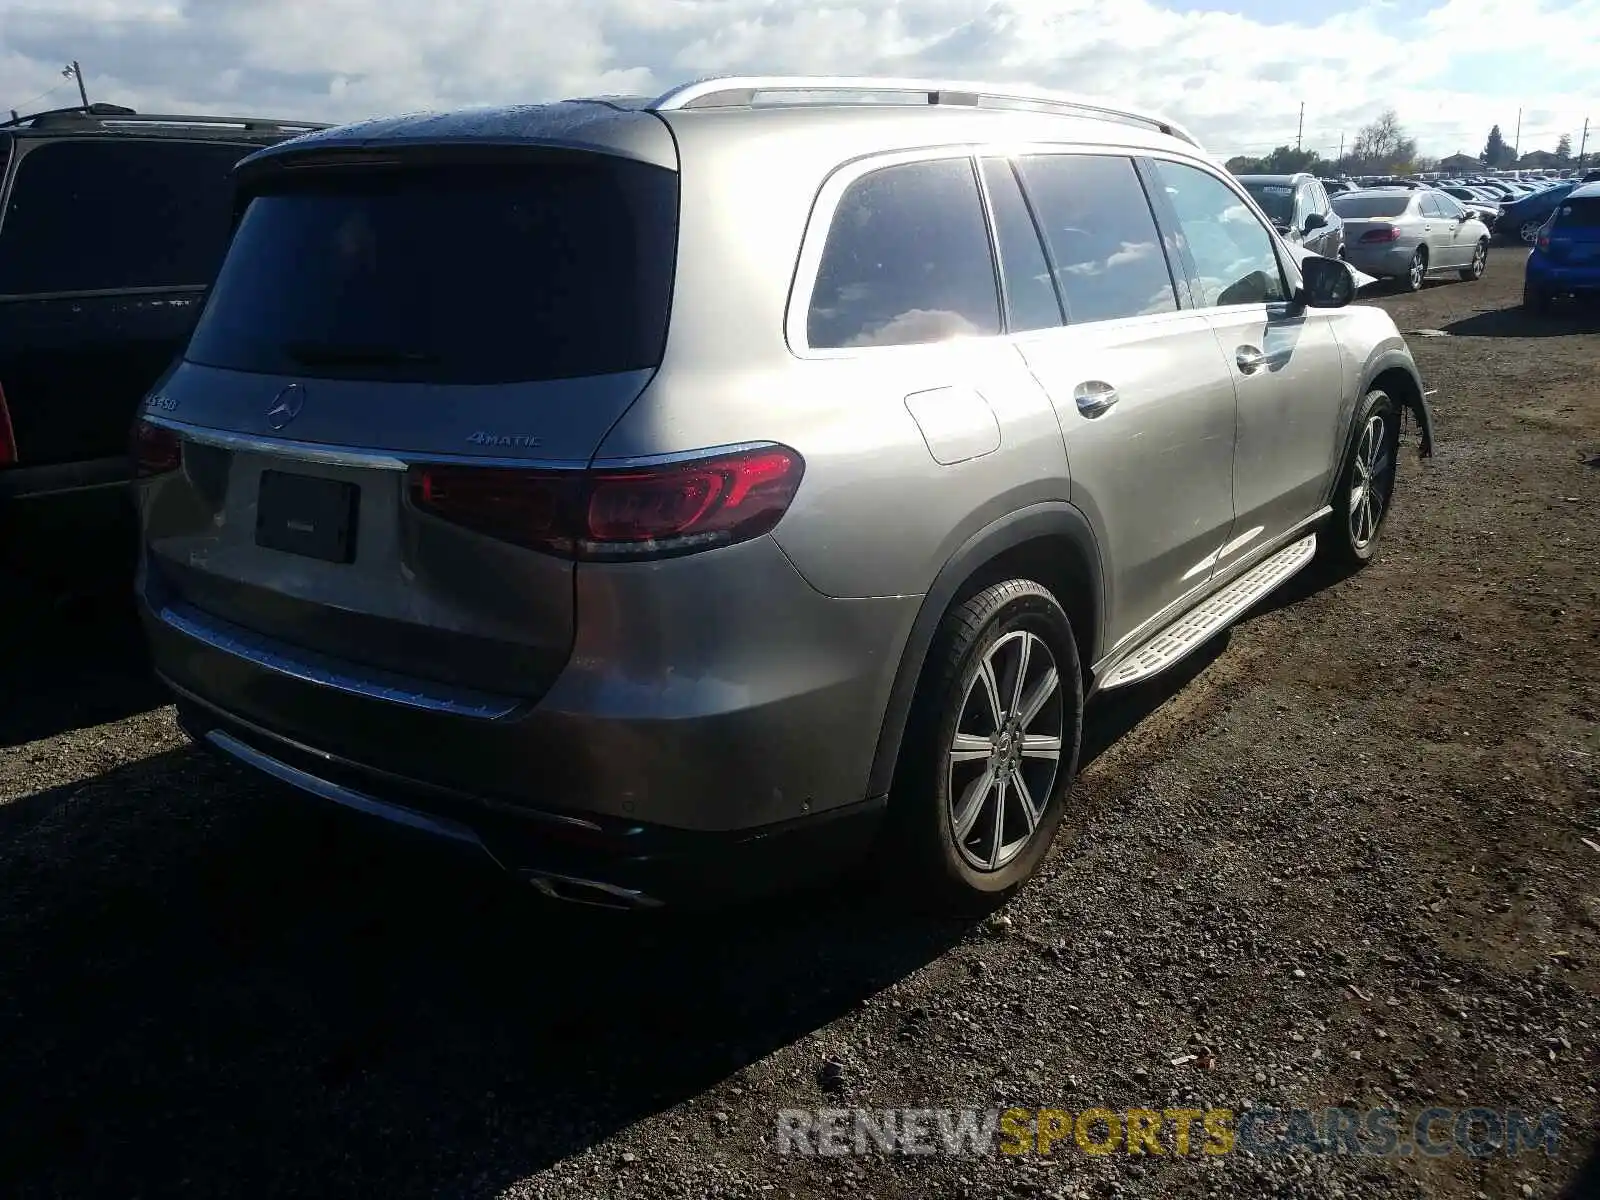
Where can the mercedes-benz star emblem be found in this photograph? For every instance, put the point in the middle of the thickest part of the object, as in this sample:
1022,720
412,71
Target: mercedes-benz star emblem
286,406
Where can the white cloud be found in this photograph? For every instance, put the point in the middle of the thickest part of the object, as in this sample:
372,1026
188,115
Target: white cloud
1450,71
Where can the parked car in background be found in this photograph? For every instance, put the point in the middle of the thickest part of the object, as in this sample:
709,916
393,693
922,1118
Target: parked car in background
113,224
539,579
1298,207
1334,186
1522,219
1566,254
1407,236
1487,211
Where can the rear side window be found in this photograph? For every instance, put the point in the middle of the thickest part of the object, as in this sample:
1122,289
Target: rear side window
459,274
1024,270
111,215
1101,235
1582,213
907,261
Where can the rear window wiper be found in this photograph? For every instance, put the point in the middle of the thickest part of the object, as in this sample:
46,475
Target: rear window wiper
336,354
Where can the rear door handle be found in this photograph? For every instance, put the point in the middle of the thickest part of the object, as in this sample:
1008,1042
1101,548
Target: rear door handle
1249,359
1095,397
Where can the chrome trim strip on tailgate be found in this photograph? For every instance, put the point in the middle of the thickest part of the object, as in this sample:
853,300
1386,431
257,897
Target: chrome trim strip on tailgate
349,798
311,667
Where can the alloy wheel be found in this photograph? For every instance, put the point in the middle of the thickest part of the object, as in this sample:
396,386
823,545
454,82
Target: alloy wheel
1006,753
1480,260
1371,478
1419,271
1529,232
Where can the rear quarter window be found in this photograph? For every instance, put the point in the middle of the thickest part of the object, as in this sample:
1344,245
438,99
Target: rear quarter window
907,261
87,215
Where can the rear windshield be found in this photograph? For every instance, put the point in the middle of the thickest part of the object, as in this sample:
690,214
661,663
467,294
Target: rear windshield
1582,213
1372,206
1275,199
459,274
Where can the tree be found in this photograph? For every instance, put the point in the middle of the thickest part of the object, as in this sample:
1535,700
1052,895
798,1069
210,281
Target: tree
1564,147
1383,144
1495,151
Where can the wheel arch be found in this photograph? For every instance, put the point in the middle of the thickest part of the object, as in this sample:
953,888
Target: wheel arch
1051,543
1395,372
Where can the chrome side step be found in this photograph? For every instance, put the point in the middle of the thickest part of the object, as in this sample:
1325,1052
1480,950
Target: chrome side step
1193,628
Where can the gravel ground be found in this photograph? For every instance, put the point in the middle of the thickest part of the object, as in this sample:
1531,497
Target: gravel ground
1340,860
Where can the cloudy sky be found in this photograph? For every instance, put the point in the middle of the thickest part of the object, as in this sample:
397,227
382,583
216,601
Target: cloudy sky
1234,71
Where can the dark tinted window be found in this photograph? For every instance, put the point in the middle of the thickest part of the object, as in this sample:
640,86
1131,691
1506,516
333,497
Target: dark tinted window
465,274
1582,213
1275,199
1359,208
1234,256
1102,238
907,260
1023,266
126,214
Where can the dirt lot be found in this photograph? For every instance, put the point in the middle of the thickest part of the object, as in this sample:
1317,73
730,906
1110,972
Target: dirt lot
1340,861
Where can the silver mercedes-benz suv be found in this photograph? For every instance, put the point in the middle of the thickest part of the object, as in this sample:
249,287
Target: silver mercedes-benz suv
671,497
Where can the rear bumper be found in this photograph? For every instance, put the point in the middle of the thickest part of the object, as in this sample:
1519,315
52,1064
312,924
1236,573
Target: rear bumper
1555,279
719,694
596,861
1387,262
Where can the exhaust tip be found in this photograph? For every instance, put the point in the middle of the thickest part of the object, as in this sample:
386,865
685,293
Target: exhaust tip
569,889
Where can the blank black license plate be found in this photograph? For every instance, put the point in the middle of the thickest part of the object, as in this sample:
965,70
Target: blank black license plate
303,514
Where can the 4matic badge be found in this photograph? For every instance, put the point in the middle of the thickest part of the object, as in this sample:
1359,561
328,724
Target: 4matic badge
514,441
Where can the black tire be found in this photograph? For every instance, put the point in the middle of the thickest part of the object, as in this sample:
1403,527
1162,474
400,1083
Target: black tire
1528,232
1416,272
922,848
1535,300
1346,546
1480,262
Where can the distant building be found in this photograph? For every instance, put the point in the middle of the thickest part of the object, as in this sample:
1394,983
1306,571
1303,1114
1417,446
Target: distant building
1460,162
1539,160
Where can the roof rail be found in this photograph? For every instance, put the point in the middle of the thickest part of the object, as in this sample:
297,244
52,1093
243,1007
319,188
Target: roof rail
738,91
117,115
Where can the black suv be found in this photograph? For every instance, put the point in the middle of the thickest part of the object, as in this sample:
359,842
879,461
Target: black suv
1298,206
112,225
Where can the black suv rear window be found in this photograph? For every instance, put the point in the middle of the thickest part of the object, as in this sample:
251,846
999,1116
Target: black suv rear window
450,274
110,215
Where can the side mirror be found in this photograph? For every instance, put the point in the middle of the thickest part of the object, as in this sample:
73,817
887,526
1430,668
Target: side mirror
1326,283
1315,221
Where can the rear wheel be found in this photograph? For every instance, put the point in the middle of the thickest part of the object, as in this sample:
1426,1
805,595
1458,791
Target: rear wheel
1366,485
1480,262
991,750
1417,272
1528,231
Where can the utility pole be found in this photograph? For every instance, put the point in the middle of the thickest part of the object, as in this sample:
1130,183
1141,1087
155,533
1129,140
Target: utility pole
1300,133
1340,159
1583,141
77,73
1516,145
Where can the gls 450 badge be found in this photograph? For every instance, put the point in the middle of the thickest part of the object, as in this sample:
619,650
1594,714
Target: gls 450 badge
515,441
160,403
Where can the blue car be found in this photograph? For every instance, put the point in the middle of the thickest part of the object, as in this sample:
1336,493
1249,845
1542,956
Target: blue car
1566,253
1522,219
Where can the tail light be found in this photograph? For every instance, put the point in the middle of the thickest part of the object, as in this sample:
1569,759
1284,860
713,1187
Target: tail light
8,439
156,450
611,515
1384,233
